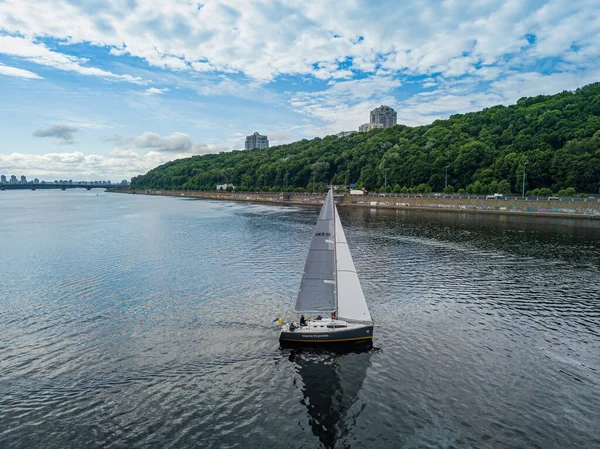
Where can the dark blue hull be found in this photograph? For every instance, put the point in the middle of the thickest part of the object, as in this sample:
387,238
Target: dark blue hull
353,335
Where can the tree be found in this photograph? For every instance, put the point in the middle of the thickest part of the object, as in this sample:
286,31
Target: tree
558,136
368,178
570,191
503,187
449,190
423,188
493,187
477,187
320,170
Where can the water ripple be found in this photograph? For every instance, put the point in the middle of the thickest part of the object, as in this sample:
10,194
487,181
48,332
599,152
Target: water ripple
131,321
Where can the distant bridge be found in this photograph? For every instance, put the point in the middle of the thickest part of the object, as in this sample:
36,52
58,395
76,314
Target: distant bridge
56,186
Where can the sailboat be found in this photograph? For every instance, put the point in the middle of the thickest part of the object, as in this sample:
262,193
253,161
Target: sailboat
330,290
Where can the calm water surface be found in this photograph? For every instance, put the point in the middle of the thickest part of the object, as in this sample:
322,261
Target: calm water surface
145,322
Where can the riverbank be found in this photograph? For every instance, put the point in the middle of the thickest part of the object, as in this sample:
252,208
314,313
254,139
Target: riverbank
569,208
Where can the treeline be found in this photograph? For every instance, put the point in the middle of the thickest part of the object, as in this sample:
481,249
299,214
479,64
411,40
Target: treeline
554,139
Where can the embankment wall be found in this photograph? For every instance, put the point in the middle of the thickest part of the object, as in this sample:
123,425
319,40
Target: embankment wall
573,207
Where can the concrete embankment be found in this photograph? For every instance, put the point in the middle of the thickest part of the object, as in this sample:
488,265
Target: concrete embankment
572,208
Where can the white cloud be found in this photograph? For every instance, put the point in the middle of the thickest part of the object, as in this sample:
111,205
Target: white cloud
74,165
178,143
20,73
40,54
466,54
529,84
83,122
346,104
155,91
265,39
151,148
175,143
130,156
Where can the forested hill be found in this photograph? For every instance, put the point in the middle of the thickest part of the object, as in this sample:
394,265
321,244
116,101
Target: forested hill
556,138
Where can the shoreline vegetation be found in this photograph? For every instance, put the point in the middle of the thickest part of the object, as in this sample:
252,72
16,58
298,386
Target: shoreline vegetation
581,208
544,145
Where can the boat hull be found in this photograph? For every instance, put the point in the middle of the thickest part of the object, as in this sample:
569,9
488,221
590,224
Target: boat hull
352,335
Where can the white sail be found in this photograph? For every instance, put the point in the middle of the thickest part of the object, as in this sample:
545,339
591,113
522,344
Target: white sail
317,288
352,305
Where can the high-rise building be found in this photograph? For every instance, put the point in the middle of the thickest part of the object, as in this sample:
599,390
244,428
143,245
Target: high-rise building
23,180
13,180
36,181
256,141
384,115
3,179
368,127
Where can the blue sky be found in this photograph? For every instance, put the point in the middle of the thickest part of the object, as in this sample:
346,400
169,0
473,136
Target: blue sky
108,89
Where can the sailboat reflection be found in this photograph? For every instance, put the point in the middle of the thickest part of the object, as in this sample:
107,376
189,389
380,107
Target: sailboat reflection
331,382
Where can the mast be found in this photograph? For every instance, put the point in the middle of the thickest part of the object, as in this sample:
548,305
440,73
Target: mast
335,252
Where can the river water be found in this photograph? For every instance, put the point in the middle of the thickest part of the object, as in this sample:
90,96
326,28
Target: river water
130,321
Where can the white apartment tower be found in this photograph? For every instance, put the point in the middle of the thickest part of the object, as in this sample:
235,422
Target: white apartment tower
256,141
384,115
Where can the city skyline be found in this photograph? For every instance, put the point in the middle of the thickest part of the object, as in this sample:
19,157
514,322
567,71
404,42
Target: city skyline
139,84
22,180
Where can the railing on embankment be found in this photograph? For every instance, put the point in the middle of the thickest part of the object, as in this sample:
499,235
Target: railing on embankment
527,206
564,207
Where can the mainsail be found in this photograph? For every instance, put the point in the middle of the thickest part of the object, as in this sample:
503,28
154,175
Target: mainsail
317,288
330,282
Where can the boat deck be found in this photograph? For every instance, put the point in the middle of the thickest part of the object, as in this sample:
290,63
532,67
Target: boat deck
322,325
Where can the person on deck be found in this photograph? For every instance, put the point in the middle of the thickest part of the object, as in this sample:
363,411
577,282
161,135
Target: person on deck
302,321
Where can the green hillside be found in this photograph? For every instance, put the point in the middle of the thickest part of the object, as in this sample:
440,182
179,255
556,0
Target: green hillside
558,136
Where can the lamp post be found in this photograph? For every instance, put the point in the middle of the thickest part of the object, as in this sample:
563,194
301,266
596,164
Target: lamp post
523,194
447,167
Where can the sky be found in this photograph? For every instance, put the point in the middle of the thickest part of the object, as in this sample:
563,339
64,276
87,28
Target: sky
109,89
